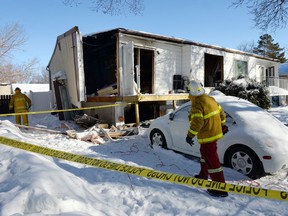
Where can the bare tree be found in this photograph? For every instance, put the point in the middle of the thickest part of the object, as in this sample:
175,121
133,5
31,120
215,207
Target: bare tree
247,46
12,73
268,14
41,78
111,7
12,37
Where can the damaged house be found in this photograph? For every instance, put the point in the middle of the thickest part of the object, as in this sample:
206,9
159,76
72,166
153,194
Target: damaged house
143,74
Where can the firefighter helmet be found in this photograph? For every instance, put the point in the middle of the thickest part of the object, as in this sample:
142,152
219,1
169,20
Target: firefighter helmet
196,88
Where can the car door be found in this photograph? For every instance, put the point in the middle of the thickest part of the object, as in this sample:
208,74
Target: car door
179,125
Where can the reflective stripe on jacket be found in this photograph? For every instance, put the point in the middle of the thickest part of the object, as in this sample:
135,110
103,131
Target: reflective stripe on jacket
206,119
19,102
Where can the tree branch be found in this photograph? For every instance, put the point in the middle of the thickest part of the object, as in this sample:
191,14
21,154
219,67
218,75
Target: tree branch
268,14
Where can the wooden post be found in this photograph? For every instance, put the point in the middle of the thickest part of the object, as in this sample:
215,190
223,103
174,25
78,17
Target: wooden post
137,114
174,104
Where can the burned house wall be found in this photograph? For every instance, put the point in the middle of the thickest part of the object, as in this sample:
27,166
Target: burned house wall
100,64
110,59
168,59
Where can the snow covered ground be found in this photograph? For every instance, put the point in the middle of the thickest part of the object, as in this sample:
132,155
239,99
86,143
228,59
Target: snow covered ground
36,185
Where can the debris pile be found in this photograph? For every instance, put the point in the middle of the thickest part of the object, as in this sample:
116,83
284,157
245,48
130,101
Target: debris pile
100,133
96,131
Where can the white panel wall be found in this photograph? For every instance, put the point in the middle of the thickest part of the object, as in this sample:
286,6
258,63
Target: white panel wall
197,62
127,71
41,101
186,61
167,64
63,59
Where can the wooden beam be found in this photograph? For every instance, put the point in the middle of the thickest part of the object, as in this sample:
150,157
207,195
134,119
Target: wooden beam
139,98
104,99
137,114
41,129
169,97
136,99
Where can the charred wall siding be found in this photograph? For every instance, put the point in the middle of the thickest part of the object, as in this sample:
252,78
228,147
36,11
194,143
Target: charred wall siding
99,53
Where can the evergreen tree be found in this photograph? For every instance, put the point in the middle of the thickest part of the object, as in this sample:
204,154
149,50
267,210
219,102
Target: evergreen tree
247,89
267,48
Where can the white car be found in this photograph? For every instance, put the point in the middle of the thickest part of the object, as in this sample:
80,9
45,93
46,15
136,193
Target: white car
256,144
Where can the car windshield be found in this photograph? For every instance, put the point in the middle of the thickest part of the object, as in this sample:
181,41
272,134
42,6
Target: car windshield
182,113
229,119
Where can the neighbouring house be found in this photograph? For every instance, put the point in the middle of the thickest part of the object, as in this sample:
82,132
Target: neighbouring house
144,74
283,70
5,96
5,89
282,94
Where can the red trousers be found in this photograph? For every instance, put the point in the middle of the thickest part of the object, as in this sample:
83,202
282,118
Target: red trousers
210,164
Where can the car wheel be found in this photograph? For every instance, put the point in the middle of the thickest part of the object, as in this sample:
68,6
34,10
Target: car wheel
245,160
158,138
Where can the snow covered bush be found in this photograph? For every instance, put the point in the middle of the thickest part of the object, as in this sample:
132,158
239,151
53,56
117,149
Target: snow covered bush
247,89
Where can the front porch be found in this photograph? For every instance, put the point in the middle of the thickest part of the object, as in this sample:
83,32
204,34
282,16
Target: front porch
278,89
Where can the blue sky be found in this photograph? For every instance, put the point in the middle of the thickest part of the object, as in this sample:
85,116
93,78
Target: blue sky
212,22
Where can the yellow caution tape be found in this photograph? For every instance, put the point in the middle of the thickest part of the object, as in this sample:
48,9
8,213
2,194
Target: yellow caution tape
65,110
148,173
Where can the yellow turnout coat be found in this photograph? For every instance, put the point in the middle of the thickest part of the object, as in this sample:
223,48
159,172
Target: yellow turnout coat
206,119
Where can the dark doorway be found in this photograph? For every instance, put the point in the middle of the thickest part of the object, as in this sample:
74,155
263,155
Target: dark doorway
213,70
57,88
144,59
147,111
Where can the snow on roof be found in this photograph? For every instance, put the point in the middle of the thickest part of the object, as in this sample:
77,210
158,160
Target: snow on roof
276,91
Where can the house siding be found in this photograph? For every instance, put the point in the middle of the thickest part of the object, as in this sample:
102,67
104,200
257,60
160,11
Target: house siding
167,62
68,59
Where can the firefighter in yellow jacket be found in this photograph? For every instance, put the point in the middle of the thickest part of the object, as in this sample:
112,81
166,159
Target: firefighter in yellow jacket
20,103
207,122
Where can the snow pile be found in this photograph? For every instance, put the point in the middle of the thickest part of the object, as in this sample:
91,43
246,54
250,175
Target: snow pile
34,184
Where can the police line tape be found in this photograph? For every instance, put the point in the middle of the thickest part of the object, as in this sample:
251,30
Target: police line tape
148,173
66,110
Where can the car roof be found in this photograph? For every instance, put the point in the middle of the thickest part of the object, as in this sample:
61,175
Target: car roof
253,121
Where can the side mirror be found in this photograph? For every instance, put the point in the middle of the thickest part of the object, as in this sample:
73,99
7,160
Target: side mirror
171,116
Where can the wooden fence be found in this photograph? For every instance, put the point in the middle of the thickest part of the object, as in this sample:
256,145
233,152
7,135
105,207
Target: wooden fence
4,103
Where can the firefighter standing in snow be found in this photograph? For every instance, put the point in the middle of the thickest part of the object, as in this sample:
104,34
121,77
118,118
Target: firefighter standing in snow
20,103
207,122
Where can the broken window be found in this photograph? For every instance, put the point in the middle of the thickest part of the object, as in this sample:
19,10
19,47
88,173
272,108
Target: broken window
240,68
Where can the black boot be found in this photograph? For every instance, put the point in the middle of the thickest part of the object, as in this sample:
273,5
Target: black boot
216,193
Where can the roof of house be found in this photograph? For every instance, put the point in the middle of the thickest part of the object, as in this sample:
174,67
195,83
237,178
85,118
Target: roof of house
176,40
112,32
